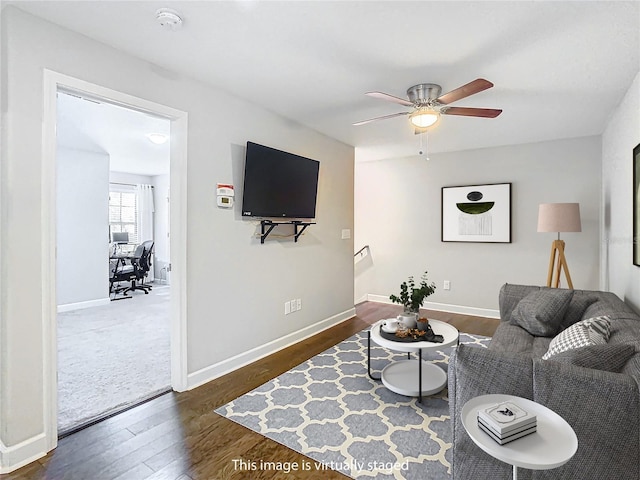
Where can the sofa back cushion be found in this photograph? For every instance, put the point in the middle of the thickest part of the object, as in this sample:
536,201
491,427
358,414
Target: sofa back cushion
606,303
609,304
541,312
509,297
580,301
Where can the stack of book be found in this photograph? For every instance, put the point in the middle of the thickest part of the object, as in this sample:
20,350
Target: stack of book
505,422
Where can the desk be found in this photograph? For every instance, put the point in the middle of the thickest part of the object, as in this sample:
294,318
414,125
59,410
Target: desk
120,258
120,252
119,271
116,249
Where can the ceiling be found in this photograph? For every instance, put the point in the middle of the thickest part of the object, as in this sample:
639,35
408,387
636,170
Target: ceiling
559,68
85,124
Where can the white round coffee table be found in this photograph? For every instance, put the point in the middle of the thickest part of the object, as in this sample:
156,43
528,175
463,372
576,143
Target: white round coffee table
551,446
410,377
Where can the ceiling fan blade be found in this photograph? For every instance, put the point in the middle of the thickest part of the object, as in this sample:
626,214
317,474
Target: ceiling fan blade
472,112
390,98
381,118
478,85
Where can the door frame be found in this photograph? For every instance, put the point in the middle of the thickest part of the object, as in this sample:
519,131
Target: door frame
54,82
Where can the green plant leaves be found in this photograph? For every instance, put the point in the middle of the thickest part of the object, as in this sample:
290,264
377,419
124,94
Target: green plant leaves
413,297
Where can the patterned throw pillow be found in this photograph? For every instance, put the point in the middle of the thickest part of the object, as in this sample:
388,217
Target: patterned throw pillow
593,331
610,357
541,312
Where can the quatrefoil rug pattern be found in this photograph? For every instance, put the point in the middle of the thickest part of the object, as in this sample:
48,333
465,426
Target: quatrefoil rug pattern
328,409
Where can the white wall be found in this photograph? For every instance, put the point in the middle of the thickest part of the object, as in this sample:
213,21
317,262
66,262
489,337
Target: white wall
82,226
230,275
398,214
129,178
161,226
622,134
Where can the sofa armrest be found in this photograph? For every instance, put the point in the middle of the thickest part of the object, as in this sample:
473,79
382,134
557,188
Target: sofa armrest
604,410
477,371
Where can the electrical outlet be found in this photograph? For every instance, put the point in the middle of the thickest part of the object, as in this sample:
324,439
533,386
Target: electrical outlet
287,308
346,233
294,305
299,304
447,285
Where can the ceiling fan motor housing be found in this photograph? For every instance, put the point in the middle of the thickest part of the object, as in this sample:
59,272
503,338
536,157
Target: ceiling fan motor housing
424,93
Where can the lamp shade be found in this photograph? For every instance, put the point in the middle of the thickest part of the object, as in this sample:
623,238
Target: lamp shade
559,217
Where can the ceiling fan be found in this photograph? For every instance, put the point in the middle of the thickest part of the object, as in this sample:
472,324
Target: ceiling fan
428,104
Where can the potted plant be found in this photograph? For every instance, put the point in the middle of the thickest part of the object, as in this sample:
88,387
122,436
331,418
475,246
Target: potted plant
412,296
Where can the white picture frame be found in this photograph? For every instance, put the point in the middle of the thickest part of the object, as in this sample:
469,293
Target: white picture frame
477,213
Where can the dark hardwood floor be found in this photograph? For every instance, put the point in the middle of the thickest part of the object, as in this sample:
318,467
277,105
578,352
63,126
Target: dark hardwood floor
179,437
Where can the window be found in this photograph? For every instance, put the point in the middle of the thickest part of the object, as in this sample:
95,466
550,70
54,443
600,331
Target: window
123,213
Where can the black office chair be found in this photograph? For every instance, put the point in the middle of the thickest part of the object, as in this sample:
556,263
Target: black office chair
141,264
145,263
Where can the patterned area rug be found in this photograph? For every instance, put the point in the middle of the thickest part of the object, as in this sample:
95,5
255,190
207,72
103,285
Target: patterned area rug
331,411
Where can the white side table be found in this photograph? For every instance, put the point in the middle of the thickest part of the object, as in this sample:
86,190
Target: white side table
551,446
409,377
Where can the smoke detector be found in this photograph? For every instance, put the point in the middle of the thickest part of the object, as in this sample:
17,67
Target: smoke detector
169,19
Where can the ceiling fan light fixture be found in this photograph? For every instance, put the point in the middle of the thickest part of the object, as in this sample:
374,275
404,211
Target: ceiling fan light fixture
424,118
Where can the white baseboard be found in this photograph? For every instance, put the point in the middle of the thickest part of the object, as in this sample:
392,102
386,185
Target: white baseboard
363,298
67,307
222,368
444,307
17,456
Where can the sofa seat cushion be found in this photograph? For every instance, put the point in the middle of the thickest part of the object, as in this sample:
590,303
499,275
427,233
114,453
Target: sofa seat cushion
541,313
627,330
593,331
511,338
632,367
514,339
610,357
540,346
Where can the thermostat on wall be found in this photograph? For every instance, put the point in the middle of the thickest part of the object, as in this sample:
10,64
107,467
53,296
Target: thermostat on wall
225,195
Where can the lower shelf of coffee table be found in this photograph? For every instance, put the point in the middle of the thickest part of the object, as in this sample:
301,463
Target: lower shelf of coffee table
402,377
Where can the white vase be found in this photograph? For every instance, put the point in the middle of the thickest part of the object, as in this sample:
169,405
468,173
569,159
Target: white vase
408,319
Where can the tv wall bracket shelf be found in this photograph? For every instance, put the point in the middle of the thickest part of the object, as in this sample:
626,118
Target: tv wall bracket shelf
267,226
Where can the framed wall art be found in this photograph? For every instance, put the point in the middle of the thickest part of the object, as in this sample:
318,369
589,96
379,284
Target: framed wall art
477,213
636,205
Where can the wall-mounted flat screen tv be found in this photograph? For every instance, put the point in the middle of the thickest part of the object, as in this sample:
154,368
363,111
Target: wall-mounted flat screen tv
279,184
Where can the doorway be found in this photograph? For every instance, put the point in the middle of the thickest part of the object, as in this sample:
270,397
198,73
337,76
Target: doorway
55,83
112,195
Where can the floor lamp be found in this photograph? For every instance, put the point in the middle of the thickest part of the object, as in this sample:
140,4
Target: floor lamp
558,217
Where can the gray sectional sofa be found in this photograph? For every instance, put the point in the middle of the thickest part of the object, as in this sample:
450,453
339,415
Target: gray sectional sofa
598,396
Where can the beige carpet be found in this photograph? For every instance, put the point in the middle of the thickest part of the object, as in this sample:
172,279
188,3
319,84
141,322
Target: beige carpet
112,357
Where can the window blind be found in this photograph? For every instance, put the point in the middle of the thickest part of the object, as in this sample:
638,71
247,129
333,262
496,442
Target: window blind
123,211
